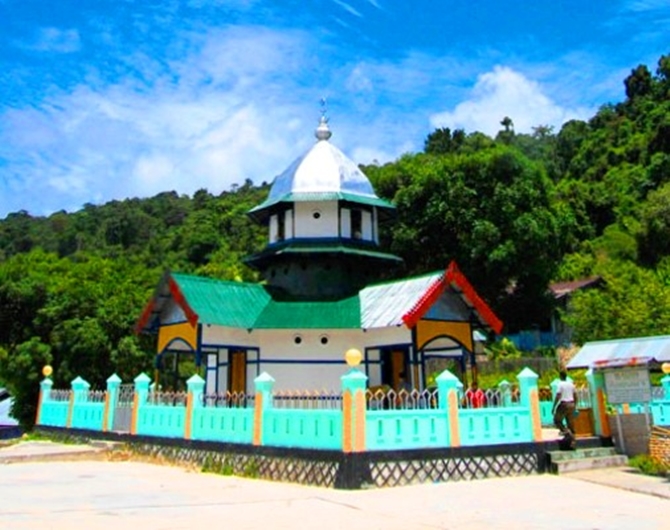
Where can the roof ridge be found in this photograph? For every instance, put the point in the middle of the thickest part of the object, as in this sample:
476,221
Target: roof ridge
405,279
214,280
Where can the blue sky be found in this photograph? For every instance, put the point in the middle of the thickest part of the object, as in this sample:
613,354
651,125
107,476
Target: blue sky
103,100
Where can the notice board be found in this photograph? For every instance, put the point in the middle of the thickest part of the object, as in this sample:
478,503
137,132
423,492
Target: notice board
627,385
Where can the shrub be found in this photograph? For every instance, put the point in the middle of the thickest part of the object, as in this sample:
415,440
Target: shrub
649,465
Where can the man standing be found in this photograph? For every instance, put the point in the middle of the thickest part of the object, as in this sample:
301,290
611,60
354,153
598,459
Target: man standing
564,407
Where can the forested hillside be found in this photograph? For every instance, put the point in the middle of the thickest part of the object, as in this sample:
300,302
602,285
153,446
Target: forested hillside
516,211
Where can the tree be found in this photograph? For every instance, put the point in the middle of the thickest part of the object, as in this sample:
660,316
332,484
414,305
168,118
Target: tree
491,212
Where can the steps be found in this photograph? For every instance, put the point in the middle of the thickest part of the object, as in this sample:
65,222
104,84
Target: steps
587,458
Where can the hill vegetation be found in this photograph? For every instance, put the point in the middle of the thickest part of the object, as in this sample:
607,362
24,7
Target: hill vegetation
517,212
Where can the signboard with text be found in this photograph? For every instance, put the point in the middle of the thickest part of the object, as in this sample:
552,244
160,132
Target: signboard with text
627,385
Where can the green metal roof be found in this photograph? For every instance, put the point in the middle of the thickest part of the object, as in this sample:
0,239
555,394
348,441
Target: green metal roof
252,306
341,314
225,303
370,200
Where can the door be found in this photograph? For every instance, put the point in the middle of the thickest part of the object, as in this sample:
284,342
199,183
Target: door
394,367
237,372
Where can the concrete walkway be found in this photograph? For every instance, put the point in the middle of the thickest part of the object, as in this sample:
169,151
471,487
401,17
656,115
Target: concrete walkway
115,494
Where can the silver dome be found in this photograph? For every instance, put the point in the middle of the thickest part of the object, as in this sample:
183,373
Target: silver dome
323,169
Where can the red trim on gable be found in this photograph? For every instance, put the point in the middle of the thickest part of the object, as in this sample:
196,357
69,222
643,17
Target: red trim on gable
179,298
452,276
144,317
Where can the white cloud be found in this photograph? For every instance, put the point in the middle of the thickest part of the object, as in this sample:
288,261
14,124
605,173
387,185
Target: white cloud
348,8
505,92
56,40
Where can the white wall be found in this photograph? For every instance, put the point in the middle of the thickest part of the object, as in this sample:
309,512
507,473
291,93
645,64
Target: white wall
273,228
307,226
294,371
367,225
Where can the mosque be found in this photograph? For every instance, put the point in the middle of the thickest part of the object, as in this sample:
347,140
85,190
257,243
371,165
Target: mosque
318,296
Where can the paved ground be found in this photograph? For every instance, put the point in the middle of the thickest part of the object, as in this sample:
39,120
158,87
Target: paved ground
108,494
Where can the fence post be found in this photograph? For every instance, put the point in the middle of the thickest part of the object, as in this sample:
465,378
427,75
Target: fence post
596,381
263,400
79,394
529,397
195,386
354,409
139,399
666,387
447,392
45,395
111,397
505,388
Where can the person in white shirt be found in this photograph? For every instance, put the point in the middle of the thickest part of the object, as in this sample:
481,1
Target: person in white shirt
564,406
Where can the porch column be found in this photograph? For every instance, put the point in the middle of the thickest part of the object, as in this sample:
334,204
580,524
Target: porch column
111,397
263,385
529,397
447,392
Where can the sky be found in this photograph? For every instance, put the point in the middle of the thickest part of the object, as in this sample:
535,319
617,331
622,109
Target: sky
104,100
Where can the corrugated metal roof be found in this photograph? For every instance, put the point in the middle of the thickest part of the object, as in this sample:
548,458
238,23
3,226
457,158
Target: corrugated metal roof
622,350
340,314
370,200
384,305
224,303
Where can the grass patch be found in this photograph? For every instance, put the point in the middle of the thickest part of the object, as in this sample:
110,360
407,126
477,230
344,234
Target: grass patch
649,465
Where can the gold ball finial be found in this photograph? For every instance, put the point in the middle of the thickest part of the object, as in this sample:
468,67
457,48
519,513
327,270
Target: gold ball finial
353,357
666,368
47,370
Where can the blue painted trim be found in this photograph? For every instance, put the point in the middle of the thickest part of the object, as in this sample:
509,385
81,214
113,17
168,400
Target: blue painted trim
173,341
302,361
198,346
173,324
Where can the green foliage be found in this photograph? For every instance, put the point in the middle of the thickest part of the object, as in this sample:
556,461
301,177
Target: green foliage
502,349
649,465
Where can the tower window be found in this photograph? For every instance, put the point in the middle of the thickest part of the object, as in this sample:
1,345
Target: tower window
281,228
356,224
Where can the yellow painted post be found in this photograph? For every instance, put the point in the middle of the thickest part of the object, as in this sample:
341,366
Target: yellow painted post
139,399
354,410
447,391
45,394
263,385
529,397
196,387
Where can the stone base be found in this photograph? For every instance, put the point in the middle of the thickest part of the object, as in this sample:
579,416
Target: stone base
630,433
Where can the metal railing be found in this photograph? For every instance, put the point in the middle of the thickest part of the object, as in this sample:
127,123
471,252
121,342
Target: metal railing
170,399
60,395
228,400
96,396
306,399
382,399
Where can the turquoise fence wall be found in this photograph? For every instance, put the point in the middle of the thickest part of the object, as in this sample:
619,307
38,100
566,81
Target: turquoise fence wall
317,429
161,420
546,413
193,416
659,411
233,425
88,416
495,426
406,429
54,413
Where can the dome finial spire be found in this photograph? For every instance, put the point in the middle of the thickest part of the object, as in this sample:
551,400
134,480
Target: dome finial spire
323,131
